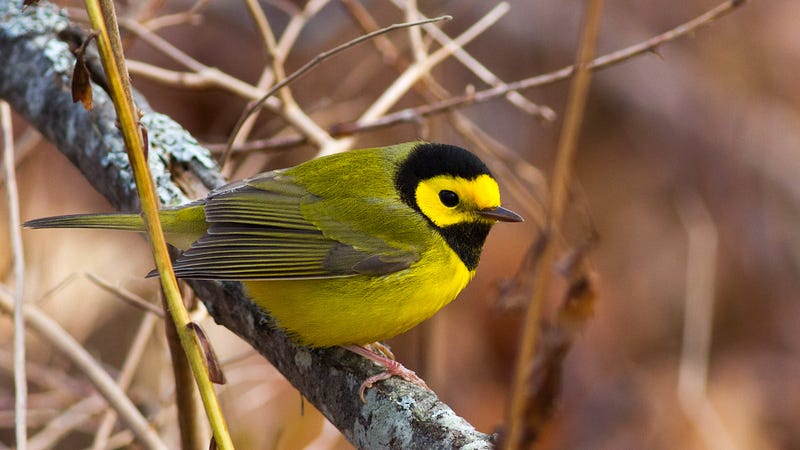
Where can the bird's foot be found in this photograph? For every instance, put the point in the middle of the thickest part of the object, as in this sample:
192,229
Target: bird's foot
393,368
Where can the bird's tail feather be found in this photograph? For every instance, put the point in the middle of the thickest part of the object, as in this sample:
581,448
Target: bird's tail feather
118,221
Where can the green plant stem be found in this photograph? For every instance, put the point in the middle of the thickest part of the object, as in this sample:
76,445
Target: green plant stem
103,19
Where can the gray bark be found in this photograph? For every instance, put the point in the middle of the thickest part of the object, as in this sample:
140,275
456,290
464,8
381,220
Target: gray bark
35,71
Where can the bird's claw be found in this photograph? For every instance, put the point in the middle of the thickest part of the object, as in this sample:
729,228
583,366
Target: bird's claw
386,359
393,368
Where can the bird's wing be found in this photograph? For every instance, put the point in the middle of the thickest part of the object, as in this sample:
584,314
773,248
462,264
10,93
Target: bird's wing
266,228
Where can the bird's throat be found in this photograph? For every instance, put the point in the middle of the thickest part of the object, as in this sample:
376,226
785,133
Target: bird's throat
466,240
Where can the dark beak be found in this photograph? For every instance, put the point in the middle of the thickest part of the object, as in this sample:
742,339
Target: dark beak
500,214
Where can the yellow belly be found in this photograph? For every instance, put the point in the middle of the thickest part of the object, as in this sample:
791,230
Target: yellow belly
362,309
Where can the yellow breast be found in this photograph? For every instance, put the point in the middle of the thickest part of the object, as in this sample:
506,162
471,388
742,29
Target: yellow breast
363,309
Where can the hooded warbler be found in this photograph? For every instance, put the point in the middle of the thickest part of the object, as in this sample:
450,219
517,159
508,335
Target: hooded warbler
343,250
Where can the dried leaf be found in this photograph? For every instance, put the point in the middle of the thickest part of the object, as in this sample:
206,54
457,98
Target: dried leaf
579,302
581,294
81,84
215,372
81,78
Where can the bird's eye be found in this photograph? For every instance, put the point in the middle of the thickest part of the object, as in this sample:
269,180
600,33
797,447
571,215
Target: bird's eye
448,198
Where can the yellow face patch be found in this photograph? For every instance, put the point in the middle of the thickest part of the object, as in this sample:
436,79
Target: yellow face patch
435,200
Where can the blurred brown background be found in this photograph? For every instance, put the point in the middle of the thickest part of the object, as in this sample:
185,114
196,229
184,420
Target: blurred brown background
699,139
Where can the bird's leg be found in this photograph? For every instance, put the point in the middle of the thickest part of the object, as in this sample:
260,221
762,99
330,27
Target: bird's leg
393,368
381,349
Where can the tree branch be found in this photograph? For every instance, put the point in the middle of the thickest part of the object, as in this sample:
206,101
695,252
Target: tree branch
35,68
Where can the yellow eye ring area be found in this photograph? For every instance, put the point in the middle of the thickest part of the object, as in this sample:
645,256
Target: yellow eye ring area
447,200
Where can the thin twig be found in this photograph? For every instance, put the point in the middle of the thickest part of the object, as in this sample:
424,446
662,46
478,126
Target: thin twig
368,24
559,193
59,286
269,75
415,33
401,85
126,295
482,72
316,61
192,16
295,26
266,79
264,28
392,94
171,20
207,78
50,330
20,380
204,76
162,45
278,52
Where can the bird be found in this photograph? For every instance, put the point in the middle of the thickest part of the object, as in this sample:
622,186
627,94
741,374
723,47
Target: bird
344,250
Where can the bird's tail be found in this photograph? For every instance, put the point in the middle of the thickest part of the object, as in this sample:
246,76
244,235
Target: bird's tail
182,226
114,221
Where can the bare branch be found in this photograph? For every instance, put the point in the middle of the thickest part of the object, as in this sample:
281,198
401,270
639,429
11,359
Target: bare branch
482,72
126,296
316,61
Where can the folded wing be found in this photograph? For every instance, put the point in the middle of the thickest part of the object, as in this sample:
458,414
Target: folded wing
261,229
